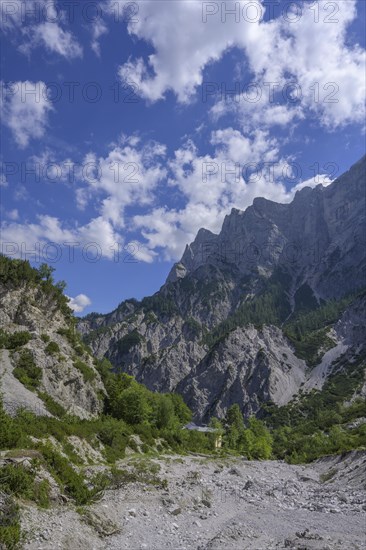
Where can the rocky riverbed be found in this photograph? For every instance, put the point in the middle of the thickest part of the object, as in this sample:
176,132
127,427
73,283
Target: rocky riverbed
206,504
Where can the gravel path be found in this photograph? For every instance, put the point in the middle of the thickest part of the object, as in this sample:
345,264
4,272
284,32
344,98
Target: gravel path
220,504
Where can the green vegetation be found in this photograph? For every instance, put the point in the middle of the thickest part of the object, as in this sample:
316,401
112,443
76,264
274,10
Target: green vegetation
316,424
210,291
27,371
125,344
254,441
75,340
304,299
308,331
15,340
316,319
15,273
51,405
311,346
142,470
162,305
72,482
327,476
10,531
135,418
193,326
52,348
19,481
87,372
270,308
136,405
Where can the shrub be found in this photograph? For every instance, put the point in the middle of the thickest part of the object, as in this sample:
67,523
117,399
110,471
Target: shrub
41,493
193,326
71,481
87,372
52,406
114,435
27,371
69,450
19,272
15,340
45,338
52,348
4,338
17,481
125,344
79,350
10,433
10,532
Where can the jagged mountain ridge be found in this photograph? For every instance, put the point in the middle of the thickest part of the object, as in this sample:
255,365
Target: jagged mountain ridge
321,227
267,264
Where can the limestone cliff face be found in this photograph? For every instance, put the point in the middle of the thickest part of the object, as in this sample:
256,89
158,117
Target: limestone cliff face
267,265
25,307
249,367
318,238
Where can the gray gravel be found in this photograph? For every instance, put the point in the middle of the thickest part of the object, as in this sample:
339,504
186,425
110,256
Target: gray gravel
220,504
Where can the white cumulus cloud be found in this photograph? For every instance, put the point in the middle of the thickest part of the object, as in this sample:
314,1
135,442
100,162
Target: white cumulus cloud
309,49
79,303
36,23
24,108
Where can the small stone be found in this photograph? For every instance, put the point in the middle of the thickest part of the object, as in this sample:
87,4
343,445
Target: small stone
234,472
197,523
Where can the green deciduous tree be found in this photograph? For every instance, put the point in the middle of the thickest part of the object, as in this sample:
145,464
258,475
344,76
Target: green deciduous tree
131,406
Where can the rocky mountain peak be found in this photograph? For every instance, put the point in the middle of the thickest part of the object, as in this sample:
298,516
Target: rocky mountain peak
313,226
269,267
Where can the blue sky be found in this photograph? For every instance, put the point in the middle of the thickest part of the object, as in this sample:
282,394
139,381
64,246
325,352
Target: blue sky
127,126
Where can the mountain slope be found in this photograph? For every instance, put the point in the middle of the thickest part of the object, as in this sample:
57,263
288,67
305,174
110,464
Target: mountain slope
228,325
44,365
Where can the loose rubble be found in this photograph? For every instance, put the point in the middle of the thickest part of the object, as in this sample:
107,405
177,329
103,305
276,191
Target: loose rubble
218,504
